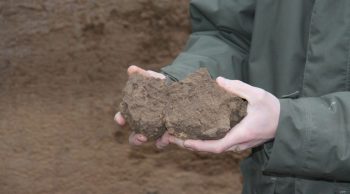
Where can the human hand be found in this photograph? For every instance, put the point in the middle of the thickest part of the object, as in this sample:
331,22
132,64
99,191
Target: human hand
258,127
139,139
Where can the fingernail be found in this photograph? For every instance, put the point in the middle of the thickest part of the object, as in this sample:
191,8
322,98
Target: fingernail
119,121
221,80
141,138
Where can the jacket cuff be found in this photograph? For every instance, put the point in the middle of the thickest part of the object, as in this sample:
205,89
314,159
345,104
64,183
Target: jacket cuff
288,151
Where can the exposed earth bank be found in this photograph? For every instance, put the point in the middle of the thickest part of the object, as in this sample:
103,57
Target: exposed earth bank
62,69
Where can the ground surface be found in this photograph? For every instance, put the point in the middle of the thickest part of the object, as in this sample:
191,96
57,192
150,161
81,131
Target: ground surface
62,67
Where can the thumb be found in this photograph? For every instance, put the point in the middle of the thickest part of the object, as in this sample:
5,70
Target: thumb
156,75
237,87
135,69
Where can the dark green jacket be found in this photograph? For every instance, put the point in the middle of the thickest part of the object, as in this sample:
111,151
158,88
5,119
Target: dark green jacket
299,50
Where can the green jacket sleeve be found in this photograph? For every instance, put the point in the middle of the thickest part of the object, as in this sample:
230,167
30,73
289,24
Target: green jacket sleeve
220,39
313,138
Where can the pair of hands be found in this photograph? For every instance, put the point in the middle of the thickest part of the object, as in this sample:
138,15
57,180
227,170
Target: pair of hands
258,127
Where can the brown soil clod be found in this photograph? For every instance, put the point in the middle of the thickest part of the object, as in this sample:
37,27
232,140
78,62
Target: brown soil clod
143,104
201,109
194,108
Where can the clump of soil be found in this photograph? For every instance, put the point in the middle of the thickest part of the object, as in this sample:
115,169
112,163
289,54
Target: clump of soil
143,105
194,108
200,109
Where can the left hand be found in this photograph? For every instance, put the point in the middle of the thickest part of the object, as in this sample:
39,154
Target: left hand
258,127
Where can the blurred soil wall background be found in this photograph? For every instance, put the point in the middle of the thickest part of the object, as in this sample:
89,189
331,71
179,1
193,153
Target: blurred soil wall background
62,69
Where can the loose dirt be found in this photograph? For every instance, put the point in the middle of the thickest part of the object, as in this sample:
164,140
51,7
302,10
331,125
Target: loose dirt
193,108
62,69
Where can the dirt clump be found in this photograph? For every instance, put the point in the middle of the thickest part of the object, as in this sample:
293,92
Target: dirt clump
201,109
143,105
194,108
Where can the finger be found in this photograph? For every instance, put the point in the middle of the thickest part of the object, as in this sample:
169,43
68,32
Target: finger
156,75
176,141
119,119
137,139
245,146
163,141
212,146
239,148
238,88
235,136
134,69
240,133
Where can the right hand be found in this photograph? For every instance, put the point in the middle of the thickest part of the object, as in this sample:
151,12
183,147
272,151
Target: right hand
139,139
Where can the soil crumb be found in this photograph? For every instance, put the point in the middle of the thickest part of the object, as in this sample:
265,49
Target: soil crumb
194,108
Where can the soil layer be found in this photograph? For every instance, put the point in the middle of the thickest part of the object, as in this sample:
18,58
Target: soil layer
62,69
